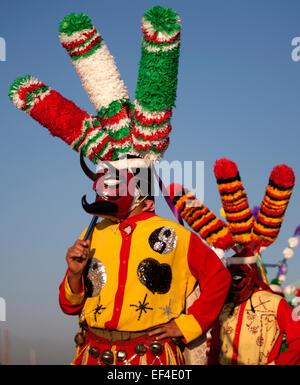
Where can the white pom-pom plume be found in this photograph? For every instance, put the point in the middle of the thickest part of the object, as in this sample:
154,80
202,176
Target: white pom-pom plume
281,278
293,242
288,253
291,289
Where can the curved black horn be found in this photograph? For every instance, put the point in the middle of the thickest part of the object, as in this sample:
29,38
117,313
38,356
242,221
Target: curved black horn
108,164
85,168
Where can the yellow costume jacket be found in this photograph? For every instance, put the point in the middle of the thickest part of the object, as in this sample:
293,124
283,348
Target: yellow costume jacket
140,273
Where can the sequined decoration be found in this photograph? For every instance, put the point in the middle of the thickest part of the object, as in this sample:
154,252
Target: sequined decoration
157,277
142,307
94,278
168,311
98,310
163,240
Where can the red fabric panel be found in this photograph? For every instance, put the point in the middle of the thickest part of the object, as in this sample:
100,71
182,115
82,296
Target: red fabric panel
214,280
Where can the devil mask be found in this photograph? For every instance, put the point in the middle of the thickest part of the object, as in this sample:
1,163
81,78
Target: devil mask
244,278
118,190
244,273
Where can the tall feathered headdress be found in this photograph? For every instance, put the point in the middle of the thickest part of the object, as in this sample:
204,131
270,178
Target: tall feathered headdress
242,229
119,127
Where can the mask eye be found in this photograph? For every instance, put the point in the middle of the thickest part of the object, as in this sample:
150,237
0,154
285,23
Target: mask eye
237,278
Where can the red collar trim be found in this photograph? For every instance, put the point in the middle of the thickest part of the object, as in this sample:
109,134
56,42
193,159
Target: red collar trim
136,218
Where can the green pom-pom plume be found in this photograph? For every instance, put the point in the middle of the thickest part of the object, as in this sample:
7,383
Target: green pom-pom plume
163,19
158,69
75,22
15,86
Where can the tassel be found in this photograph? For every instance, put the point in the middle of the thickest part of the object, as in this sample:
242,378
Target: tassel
170,358
80,130
272,210
211,229
157,81
262,270
100,78
234,200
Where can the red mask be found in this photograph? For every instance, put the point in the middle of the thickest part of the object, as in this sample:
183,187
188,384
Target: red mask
115,192
243,282
244,275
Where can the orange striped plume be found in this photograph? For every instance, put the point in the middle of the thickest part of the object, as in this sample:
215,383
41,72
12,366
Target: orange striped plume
200,218
234,200
276,199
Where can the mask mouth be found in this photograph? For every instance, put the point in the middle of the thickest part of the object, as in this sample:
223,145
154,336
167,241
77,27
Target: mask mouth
232,297
237,288
99,208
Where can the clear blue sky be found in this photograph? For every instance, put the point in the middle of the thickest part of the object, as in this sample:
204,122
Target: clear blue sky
238,97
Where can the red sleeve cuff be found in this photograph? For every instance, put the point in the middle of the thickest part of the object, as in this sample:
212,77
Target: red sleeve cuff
69,302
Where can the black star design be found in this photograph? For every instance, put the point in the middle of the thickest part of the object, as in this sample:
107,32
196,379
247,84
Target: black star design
142,307
98,310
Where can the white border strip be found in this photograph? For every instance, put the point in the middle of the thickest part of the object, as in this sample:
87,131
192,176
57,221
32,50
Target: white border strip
125,164
241,260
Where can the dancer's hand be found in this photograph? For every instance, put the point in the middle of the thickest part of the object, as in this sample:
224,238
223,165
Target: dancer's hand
77,257
167,330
